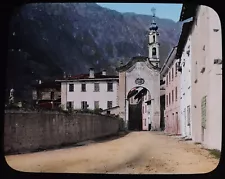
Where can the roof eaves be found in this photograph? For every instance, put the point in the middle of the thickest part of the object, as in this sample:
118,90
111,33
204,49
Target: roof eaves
188,10
183,38
170,57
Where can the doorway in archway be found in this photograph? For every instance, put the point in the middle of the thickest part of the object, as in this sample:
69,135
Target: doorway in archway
139,109
135,117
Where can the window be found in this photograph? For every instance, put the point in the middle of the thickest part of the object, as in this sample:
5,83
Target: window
96,104
176,93
153,38
110,86
185,117
188,116
145,121
109,104
96,87
166,80
166,100
153,51
169,76
203,112
69,105
176,69
169,98
145,108
83,87
172,73
84,105
52,95
71,87
172,96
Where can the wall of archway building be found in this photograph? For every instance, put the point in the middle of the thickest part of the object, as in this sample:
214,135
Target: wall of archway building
139,72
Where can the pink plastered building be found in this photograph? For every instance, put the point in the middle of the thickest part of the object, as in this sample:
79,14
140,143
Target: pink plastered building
172,98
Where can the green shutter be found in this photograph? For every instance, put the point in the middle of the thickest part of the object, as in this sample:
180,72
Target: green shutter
203,112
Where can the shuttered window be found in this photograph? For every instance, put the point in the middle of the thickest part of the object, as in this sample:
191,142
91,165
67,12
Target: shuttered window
203,112
188,115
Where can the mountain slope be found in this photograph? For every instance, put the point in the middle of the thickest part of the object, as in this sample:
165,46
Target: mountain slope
48,39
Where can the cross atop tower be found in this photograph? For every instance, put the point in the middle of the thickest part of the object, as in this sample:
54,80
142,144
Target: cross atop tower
153,11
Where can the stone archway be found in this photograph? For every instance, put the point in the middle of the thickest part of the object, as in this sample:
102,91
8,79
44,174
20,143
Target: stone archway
139,109
139,72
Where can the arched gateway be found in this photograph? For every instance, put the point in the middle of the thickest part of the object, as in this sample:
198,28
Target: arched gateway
142,72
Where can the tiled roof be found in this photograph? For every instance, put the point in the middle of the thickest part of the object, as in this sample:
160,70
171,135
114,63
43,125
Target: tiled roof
48,84
86,76
133,61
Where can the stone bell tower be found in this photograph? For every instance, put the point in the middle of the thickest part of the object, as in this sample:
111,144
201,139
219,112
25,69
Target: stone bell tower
153,42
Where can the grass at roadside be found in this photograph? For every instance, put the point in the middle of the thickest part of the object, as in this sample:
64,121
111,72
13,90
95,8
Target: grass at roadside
215,153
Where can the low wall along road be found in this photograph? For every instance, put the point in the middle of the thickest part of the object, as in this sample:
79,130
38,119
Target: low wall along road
33,131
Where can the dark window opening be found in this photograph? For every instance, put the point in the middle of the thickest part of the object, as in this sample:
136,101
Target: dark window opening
110,86
176,93
172,96
176,69
169,98
169,76
166,100
109,104
84,105
83,87
96,87
172,73
153,52
96,104
52,95
71,87
166,80
69,104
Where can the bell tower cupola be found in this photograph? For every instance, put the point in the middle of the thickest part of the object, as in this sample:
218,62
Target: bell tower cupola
153,44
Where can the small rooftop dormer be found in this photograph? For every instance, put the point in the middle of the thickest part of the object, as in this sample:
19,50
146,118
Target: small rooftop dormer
104,72
91,73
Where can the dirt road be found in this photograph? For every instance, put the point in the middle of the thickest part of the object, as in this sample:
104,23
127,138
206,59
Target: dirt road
135,153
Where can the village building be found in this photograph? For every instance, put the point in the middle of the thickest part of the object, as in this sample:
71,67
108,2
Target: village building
142,73
89,91
47,94
206,79
162,103
170,74
184,55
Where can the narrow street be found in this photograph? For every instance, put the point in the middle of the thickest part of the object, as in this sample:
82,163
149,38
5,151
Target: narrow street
135,153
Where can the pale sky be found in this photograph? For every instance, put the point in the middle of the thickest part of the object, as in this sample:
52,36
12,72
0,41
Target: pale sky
168,11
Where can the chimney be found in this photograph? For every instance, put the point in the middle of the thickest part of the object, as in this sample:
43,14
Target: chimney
91,73
104,72
64,75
